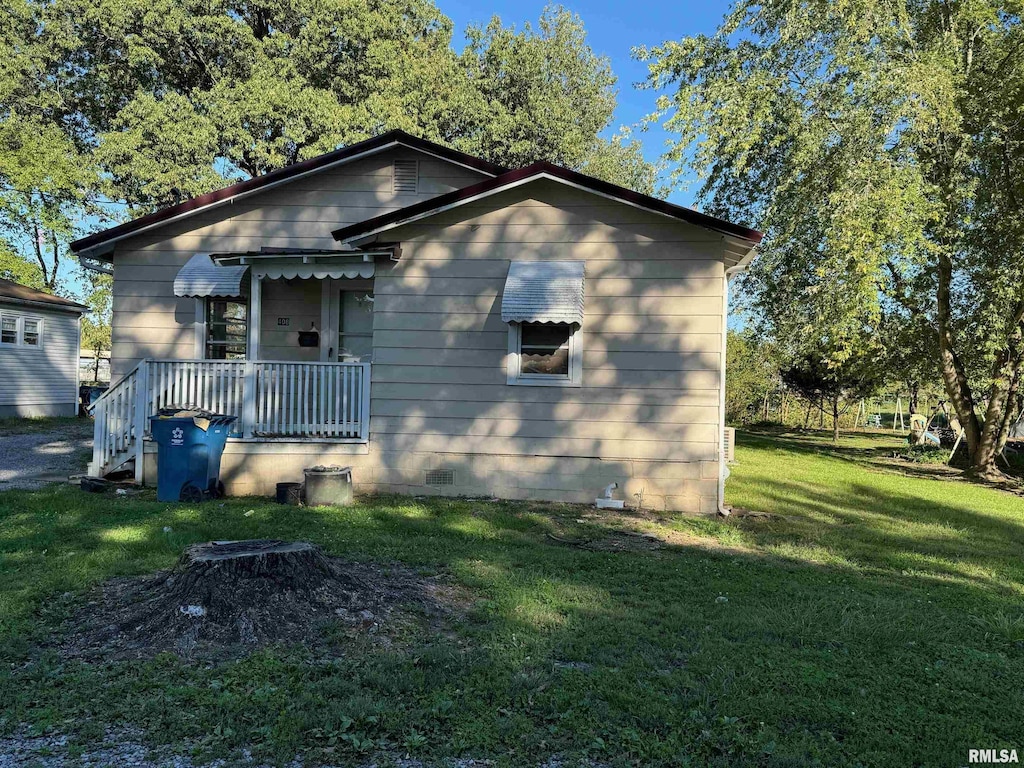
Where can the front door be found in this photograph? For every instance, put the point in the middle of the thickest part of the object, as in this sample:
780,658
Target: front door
350,337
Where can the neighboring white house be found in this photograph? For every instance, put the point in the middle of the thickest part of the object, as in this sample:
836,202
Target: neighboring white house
39,339
439,323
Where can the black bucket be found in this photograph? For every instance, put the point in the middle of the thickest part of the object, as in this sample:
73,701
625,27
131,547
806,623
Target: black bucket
289,493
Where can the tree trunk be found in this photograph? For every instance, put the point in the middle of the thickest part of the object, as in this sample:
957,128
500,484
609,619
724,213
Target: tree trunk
954,378
807,415
1005,374
1009,413
835,418
913,390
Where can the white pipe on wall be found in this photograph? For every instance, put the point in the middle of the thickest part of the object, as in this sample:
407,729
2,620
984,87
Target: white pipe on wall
723,471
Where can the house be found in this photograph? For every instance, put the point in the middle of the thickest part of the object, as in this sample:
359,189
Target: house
39,337
439,323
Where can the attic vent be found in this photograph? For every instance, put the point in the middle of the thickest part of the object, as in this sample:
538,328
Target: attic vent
406,176
440,477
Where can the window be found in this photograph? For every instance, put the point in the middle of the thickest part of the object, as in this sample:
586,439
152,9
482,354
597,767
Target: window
544,354
21,331
355,326
31,331
8,329
226,329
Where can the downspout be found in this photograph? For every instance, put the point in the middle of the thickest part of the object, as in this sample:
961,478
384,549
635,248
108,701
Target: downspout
723,470
95,266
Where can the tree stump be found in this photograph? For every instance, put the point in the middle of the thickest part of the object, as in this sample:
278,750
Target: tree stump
224,598
227,576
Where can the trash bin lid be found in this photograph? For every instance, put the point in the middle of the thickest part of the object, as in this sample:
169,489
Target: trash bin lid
201,417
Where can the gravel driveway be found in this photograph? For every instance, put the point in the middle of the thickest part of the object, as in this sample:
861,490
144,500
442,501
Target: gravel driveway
37,456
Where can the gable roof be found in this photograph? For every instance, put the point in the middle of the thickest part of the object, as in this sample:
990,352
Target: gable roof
16,293
101,243
541,170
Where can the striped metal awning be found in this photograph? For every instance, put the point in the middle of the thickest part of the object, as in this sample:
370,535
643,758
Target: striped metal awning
543,292
202,276
320,271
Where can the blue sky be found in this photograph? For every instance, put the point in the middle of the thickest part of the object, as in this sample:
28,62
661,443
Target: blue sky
613,28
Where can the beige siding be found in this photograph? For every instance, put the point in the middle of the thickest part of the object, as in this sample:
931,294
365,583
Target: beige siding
651,350
646,415
41,381
150,322
299,302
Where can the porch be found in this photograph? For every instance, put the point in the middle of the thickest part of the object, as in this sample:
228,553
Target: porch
283,340
273,400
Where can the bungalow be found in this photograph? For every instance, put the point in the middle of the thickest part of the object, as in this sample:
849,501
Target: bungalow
39,338
439,323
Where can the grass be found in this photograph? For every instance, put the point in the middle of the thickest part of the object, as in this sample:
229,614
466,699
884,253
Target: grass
874,619
35,425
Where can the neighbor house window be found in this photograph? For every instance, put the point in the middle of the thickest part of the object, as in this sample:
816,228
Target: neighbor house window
8,329
21,331
226,329
544,354
31,331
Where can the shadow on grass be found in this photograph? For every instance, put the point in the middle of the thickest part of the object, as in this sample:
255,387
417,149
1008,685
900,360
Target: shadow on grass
670,657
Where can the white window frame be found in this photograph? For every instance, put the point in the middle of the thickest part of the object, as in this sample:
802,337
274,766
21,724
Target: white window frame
202,312
39,331
19,331
515,376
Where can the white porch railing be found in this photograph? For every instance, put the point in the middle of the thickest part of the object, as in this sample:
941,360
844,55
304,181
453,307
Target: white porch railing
272,400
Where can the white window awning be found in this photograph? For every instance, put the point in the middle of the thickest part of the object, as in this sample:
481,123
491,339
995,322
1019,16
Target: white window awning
202,276
320,271
543,292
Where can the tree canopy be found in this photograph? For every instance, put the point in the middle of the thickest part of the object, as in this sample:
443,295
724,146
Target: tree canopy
112,108
880,146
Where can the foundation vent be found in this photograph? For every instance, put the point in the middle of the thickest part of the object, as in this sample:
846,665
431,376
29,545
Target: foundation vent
406,176
440,477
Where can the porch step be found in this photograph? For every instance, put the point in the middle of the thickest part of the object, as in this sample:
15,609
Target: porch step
117,462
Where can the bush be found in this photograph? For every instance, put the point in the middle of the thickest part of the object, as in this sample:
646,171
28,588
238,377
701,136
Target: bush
929,453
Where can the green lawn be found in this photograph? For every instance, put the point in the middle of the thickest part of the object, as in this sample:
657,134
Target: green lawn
22,426
875,618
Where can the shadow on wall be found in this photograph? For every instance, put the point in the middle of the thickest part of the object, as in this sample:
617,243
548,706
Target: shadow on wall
651,336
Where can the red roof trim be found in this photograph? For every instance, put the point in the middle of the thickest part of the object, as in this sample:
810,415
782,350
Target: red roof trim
283,174
588,182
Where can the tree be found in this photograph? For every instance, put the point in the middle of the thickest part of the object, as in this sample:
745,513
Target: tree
112,108
96,323
181,96
752,374
543,94
909,356
834,389
46,178
880,146
19,270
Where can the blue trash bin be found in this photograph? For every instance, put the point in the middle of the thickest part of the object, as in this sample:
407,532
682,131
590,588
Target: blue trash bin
188,456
